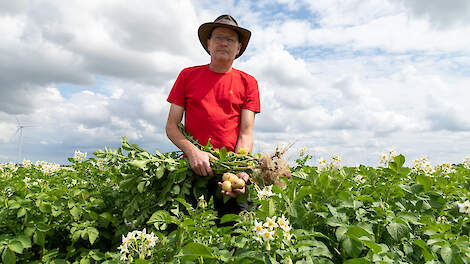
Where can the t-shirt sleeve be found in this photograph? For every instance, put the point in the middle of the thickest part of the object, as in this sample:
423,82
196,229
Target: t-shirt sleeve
252,101
177,91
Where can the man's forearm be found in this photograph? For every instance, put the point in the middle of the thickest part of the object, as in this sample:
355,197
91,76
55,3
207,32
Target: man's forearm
198,159
245,142
245,137
180,141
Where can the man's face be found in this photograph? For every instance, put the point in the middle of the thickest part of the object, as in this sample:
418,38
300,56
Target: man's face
223,44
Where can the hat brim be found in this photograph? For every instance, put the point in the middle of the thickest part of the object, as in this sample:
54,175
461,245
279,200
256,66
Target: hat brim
206,29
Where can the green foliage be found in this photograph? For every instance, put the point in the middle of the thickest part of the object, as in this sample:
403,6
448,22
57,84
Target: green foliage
78,214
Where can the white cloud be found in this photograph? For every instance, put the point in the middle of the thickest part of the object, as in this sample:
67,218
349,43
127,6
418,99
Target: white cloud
338,13
351,89
150,27
445,116
358,25
442,14
7,132
277,65
349,77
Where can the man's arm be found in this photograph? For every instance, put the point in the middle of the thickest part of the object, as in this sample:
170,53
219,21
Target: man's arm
198,159
245,137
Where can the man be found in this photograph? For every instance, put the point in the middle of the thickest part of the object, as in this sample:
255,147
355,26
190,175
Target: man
218,101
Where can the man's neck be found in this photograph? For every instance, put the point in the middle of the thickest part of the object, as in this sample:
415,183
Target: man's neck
220,67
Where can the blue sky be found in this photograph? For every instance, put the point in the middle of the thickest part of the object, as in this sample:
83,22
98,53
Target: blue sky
354,78
98,86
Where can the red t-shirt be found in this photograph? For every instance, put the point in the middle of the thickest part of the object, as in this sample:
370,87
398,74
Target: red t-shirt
213,103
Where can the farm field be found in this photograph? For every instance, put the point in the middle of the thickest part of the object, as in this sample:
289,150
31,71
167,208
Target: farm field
130,205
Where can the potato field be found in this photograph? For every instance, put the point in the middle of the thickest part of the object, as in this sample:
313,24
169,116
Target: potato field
133,206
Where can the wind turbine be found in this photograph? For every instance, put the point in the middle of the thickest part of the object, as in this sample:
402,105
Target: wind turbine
19,129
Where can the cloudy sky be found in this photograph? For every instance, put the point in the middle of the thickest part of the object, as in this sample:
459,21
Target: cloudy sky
348,77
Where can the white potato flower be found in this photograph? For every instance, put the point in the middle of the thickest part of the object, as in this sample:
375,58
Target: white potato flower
464,207
27,164
466,162
422,166
283,222
274,228
137,243
258,228
445,168
79,156
265,193
287,237
359,179
334,163
46,167
267,235
271,223
26,180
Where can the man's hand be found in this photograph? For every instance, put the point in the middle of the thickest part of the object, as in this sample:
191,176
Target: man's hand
242,175
199,162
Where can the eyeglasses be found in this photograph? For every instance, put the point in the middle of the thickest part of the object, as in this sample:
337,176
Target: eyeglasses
219,39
